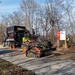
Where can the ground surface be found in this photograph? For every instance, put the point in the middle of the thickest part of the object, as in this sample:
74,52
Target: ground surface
58,63
6,68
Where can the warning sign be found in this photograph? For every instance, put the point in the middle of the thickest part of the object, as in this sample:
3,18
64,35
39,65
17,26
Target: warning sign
58,35
61,35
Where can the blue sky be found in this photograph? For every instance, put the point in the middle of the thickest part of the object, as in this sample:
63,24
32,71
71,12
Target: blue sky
9,6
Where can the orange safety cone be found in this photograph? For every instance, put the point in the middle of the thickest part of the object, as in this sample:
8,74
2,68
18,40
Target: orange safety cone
11,46
24,49
14,48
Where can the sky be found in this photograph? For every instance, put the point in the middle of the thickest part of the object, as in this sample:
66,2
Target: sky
9,6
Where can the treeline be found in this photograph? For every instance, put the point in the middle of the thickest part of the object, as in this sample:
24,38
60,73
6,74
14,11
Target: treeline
46,18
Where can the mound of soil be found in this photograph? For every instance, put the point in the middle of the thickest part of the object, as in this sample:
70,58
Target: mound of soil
6,68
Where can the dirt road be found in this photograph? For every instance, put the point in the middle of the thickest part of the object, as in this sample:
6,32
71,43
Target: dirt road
56,64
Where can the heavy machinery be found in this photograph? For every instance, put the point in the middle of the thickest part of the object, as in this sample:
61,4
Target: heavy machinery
13,35
35,48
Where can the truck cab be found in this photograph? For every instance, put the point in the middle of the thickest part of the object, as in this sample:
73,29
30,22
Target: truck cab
14,35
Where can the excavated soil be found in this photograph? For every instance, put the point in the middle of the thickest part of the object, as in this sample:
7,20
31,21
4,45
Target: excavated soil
6,68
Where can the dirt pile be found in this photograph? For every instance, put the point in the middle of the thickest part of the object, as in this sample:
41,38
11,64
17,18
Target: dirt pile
6,68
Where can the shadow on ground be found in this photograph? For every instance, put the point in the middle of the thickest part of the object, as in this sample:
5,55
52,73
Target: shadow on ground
3,51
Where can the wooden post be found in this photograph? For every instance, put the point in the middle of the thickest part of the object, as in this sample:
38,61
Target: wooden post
58,43
65,44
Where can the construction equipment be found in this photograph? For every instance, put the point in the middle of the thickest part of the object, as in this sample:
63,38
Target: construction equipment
35,48
13,35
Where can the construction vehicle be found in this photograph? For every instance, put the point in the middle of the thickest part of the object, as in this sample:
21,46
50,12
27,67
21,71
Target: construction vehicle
35,48
13,35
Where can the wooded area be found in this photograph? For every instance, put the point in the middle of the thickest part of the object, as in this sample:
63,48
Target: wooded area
46,18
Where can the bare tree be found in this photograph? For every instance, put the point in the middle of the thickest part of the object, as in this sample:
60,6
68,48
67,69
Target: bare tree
68,9
46,19
52,18
29,8
15,19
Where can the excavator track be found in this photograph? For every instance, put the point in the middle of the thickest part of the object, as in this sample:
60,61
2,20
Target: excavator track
32,53
38,51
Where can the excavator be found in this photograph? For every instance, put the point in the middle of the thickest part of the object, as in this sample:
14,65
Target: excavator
35,48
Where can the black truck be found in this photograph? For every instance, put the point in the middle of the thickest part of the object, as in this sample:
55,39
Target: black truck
14,35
